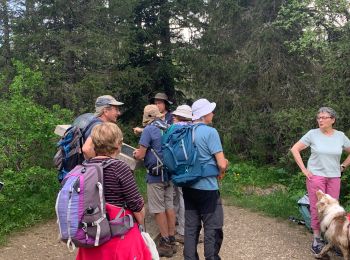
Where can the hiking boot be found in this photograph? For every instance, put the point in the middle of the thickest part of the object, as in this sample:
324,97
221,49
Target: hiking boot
317,248
172,243
180,238
164,248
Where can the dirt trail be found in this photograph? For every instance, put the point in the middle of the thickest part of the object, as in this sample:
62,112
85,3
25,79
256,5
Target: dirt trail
247,235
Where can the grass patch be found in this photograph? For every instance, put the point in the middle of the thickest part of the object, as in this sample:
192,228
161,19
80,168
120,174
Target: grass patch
277,204
267,189
140,177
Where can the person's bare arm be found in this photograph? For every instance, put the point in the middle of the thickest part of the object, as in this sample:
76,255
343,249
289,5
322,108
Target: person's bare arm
222,163
296,149
346,162
140,217
88,149
138,130
140,153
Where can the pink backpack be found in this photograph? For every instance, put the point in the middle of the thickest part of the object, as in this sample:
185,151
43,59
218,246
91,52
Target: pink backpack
81,208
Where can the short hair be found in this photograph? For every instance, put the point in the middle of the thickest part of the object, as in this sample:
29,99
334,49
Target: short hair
99,110
106,137
328,110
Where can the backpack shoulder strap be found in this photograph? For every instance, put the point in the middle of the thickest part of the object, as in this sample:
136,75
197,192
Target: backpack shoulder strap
103,164
107,163
163,126
194,127
88,126
157,156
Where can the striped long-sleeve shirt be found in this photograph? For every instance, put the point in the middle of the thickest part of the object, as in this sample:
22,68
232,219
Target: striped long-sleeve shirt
120,185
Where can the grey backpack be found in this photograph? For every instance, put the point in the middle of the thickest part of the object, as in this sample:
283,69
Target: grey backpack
81,208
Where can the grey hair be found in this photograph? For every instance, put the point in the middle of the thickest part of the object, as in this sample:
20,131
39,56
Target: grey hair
99,110
328,110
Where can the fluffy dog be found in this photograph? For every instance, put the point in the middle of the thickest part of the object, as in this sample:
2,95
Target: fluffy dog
334,223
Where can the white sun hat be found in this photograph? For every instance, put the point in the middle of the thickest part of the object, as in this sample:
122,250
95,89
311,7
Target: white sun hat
184,111
202,107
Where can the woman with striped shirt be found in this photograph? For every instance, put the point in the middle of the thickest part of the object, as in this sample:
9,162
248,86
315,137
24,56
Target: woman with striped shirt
120,190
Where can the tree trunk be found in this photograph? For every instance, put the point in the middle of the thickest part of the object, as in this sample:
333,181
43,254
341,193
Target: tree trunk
6,49
6,25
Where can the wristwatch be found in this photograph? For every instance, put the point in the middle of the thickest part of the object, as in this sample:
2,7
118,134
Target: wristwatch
342,166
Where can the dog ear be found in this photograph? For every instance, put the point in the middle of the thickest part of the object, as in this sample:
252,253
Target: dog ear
320,206
319,194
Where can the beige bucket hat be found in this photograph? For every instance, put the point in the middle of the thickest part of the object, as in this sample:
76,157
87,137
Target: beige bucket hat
184,111
150,113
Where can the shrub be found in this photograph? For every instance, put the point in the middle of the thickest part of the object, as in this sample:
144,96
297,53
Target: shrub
27,198
26,128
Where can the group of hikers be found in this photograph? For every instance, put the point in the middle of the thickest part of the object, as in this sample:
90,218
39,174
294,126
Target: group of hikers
180,213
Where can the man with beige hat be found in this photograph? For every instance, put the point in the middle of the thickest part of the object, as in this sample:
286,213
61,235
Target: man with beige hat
106,110
162,102
159,186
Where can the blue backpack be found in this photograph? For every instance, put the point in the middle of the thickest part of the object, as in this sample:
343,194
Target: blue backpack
180,156
304,209
69,149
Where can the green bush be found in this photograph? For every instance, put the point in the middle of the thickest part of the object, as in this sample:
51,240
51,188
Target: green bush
27,198
27,139
27,129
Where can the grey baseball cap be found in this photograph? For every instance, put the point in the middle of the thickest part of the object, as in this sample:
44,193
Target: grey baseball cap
107,100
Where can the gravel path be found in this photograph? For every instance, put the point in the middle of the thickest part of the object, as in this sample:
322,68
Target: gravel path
247,235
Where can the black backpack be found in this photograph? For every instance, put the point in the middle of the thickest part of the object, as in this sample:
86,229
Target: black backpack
69,149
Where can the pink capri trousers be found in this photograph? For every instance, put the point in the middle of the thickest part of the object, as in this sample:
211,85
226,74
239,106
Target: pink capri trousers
330,186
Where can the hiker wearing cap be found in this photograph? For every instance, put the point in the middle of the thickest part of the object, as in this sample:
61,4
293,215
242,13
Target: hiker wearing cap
106,110
162,102
159,186
202,199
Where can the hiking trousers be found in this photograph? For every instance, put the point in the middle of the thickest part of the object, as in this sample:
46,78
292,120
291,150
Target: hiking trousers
179,207
327,185
203,207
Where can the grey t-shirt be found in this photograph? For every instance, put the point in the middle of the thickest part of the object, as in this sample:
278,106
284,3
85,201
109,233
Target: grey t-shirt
325,152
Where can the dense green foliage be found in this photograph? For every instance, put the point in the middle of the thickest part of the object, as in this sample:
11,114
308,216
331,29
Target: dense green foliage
27,198
268,64
27,145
